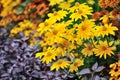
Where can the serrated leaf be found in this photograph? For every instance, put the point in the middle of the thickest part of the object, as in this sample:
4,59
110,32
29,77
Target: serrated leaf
85,71
94,67
99,69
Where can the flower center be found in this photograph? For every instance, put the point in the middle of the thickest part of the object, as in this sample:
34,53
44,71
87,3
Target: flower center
55,32
59,62
104,28
79,12
49,54
65,43
46,24
104,48
83,28
74,36
55,14
75,64
90,47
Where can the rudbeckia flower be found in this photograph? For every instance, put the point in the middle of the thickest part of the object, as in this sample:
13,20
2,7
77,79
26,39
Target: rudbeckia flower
104,48
60,64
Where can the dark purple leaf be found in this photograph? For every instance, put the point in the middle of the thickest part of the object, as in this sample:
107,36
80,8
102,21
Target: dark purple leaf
2,51
97,78
71,76
24,45
21,34
1,66
17,40
94,67
6,48
18,69
24,38
64,76
103,78
5,75
37,67
4,61
3,30
10,70
58,78
50,73
35,74
99,69
85,71
13,44
13,61
43,76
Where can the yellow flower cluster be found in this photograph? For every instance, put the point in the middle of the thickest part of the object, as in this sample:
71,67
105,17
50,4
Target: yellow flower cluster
8,6
77,63
69,29
79,11
26,26
115,71
61,2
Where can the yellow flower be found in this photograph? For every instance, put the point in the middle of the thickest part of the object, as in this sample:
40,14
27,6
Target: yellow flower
70,1
76,64
106,30
44,42
57,15
47,55
54,2
115,71
64,46
45,26
58,29
75,7
65,5
105,19
91,2
114,78
25,26
27,33
88,50
56,32
8,6
72,37
81,10
117,42
60,64
85,28
16,30
104,49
